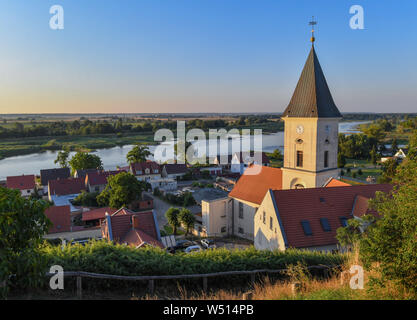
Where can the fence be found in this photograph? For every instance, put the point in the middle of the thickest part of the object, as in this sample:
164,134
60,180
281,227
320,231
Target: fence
151,279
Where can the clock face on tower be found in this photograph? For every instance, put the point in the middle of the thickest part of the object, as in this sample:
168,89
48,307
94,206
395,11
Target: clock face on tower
300,129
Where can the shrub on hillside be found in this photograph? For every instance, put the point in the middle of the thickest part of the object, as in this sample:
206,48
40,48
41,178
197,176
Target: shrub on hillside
104,257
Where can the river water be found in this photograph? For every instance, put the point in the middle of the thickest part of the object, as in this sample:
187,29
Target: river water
113,157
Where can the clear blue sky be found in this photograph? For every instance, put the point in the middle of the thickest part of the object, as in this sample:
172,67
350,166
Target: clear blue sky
203,55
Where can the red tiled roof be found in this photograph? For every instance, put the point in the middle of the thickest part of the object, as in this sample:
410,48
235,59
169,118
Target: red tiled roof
311,204
361,207
123,231
336,183
99,213
66,186
21,182
255,182
99,177
60,217
138,237
139,168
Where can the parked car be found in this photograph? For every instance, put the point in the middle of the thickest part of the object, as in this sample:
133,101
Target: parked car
194,248
208,243
182,244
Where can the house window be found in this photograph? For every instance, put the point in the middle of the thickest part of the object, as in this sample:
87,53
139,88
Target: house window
325,224
306,227
96,189
240,230
326,159
299,158
223,229
264,217
240,210
271,226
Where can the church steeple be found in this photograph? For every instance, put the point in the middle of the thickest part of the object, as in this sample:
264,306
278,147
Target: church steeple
312,97
311,129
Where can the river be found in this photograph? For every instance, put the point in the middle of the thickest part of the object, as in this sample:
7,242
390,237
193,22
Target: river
113,157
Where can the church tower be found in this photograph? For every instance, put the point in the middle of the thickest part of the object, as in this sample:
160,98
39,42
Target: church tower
311,130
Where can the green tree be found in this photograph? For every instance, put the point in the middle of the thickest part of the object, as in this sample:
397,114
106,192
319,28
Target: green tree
138,154
22,225
389,169
390,245
121,190
83,160
172,216
62,158
341,160
374,155
394,146
187,219
277,155
88,199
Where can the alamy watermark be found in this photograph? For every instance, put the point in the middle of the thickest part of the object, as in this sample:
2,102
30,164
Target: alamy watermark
56,22
357,20
193,147
57,280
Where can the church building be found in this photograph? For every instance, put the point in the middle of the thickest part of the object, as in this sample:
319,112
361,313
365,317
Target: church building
311,130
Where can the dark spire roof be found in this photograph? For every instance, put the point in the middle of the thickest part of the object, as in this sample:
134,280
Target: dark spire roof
312,97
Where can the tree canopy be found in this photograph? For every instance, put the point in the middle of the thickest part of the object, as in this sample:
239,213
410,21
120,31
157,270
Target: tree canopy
62,158
121,190
172,216
138,154
389,244
83,160
187,219
22,225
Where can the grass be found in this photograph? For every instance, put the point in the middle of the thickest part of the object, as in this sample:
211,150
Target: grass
367,168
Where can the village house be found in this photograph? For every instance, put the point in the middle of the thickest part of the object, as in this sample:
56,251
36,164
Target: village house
53,174
174,170
132,228
97,181
60,217
240,161
163,184
234,215
83,173
93,217
144,171
25,183
62,191
308,218
213,171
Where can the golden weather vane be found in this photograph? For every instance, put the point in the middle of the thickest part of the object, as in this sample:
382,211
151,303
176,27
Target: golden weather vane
312,23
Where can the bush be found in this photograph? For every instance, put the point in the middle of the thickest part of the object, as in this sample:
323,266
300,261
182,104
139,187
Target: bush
86,199
104,257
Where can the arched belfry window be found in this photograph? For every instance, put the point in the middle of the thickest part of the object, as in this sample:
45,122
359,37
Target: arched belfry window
326,159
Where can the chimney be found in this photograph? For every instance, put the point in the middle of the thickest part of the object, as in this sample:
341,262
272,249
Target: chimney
135,222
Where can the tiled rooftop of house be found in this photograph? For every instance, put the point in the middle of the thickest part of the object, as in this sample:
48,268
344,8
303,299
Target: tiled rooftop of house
318,206
66,186
255,182
60,217
22,182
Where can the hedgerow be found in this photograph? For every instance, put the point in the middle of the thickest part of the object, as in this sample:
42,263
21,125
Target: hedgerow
107,258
